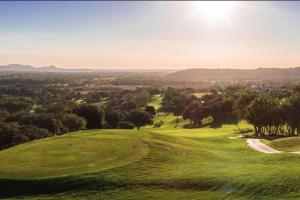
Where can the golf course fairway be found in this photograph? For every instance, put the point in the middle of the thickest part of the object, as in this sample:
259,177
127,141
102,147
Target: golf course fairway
152,163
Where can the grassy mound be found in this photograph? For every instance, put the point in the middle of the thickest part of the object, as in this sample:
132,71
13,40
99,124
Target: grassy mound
289,144
71,154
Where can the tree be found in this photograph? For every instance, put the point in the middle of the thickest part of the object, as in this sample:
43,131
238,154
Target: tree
74,122
113,117
263,113
10,135
175,100
142,97
15,104
187,113
50,122
223,113
242,99
55,108
139,118
33,132
290,110
150,110
129,105
93,114
198,114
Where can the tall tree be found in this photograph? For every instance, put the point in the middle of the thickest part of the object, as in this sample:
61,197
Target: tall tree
139,118
93,114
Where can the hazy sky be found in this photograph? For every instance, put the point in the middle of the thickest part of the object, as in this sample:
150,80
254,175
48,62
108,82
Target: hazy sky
150,35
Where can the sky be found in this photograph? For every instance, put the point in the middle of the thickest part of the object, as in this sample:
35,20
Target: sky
150,35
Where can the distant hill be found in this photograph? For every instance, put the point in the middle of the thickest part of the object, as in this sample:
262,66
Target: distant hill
19,68
16,67
29,68
202,74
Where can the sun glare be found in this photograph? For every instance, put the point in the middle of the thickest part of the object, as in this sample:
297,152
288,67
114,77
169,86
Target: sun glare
215,11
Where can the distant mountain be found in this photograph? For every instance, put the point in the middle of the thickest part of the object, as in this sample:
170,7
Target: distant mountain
49,68
19,68
16,67
202,74
29,68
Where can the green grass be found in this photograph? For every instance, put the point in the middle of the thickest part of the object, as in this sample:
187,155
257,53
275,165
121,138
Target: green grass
152,163
200,94
78,101
156,101
288,144
168,118
71,154
166,163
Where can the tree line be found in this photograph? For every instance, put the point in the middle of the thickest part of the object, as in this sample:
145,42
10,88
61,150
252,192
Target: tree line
270,112
46,112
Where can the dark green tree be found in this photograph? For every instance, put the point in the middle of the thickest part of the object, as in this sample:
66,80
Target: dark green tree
93,114
139,118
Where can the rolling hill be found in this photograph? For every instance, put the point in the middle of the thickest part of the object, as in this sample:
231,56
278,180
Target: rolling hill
152,163
236,74
29,68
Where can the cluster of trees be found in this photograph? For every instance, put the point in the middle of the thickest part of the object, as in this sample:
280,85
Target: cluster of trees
42,106
218,107
48,110
175,100
270,113
124,110
273,116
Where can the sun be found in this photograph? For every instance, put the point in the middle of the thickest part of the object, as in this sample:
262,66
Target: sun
215,11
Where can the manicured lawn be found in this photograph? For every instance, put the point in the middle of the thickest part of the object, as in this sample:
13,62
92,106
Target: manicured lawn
152,163
71,154
166,163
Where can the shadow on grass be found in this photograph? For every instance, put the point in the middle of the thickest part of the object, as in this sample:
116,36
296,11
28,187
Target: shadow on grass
15,188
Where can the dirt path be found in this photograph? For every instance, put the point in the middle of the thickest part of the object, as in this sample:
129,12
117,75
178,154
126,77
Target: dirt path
257,145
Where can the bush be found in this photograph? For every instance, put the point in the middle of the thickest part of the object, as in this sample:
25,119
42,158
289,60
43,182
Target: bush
126,125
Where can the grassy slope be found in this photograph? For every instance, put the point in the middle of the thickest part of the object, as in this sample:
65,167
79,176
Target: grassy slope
194,163
156,101
175,164
288,144
168,118
71,154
